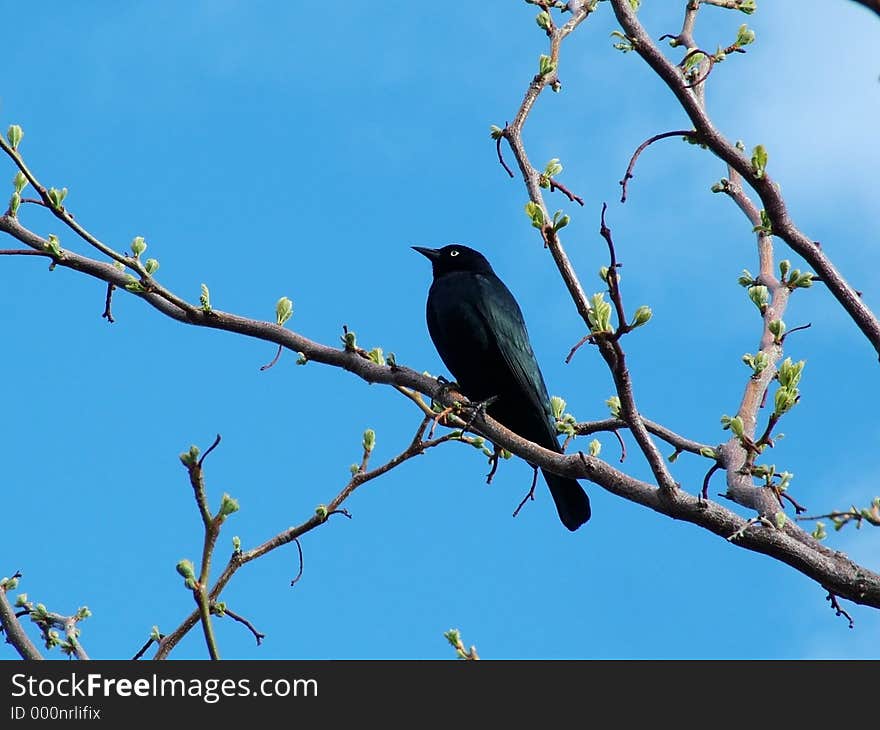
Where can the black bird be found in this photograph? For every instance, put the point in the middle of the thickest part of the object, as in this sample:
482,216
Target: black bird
479,332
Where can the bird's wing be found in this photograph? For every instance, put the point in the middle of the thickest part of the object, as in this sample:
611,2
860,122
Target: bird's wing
505,321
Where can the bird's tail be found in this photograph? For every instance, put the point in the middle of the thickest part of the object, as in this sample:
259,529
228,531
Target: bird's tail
572,502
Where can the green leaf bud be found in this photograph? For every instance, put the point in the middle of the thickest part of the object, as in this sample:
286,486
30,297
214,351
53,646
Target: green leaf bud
453,636
349,339
789,373
804,281
52,639
56,197
745,36
736,427
599,315
595,447
553,168
205,298
784,400
283,310
545,65
560,221
19,181
228,505
746,279
186,570
535,213
133,285
14,134
760,296
138,246
557,406
496,132
642,316
777,329
765,226
625,45
369,441
54,245
191,457
613,404
151,266
759,158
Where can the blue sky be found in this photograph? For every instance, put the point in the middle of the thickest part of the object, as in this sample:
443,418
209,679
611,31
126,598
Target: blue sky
270,150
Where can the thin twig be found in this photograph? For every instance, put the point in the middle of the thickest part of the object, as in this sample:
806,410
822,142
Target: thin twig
531,493
258,635
143,649
795,329
213,446
622,445
582,341
798,508
239,559
498,150
108,301
613,282
299,550
274,359
704,493
838,611
628,175
556,185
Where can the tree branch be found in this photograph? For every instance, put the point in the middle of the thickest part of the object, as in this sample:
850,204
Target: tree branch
763,184
15,633
668,435
239,559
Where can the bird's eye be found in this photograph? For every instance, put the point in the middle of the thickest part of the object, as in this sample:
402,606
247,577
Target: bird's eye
453,252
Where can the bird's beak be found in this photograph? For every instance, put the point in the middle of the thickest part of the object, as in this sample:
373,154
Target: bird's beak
432,253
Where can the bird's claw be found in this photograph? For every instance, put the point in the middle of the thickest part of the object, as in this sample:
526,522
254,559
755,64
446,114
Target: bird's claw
478,410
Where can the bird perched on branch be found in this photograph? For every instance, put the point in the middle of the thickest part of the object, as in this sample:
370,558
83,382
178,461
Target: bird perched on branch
479,332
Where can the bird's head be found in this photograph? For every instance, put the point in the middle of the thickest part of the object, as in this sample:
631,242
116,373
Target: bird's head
455,257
